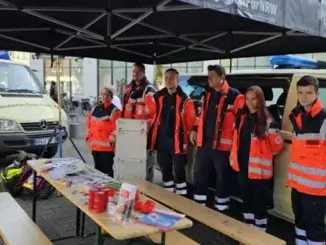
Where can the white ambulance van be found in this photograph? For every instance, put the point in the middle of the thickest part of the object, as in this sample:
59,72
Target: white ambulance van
28,116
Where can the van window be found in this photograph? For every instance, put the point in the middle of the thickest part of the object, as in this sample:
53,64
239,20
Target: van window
277,92
193,86
322,95
322,91
275,88
18,78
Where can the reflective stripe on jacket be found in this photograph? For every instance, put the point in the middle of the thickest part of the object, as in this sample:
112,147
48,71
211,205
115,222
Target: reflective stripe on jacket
185,118
231,100
260,165
139,101
307,168
101,124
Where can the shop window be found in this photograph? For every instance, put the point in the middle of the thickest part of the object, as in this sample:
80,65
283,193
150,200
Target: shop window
70,75
119,74
104,63
246,62
119,63
104,76
76,62
263,62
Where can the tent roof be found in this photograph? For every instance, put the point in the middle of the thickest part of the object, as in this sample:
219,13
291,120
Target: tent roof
164,31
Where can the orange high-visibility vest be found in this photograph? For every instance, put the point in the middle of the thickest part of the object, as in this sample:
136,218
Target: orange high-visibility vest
185,118
307,168
101,124
144,103
260,165
230,101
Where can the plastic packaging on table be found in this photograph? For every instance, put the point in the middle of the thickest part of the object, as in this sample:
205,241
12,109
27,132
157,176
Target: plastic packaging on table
109,192
125,203
112,206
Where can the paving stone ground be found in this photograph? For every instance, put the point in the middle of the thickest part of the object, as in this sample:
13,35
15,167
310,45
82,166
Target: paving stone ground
56,216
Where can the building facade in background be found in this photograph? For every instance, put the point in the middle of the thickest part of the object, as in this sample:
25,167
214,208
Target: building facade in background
84,78
20,57
70,73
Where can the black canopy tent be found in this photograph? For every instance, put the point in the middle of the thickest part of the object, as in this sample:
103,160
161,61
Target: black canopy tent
158,31
161,31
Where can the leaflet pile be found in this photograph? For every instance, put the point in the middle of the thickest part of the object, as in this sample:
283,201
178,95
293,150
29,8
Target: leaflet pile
130,154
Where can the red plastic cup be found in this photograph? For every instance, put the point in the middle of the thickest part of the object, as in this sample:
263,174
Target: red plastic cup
99,201
91,195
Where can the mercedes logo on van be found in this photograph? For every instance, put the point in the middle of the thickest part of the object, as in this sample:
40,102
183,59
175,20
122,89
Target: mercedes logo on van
43,125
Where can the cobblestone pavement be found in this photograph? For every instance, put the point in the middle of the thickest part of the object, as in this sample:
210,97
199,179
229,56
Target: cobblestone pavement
56,216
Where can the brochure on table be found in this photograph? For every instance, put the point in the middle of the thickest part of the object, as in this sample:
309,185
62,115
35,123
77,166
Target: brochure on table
74,171
160,219
120,207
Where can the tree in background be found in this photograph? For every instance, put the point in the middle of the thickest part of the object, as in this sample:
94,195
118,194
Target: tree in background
158,80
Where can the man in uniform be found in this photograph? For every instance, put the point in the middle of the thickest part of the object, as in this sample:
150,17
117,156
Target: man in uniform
175,116
139,103
307,168
213,136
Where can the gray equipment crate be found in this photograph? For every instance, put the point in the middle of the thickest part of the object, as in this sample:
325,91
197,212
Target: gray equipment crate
130,152
129,168
131,139
132,125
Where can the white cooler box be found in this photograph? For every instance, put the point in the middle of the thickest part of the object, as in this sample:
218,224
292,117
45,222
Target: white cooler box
130,153
131,139
129,168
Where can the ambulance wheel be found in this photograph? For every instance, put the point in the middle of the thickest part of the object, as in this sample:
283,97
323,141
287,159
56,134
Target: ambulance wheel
50,152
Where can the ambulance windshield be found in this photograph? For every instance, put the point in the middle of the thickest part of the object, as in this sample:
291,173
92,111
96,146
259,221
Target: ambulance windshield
15,78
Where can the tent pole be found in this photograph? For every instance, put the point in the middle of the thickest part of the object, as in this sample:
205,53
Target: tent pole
230,65
60,112
155,68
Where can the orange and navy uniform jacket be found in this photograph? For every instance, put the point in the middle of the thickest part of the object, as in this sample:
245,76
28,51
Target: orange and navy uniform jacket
101,125
307,167
185,119
261,150
143,97
230,100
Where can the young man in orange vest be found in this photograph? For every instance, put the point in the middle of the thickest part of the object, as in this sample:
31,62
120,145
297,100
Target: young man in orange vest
169,134
139,103
307,168
213,136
